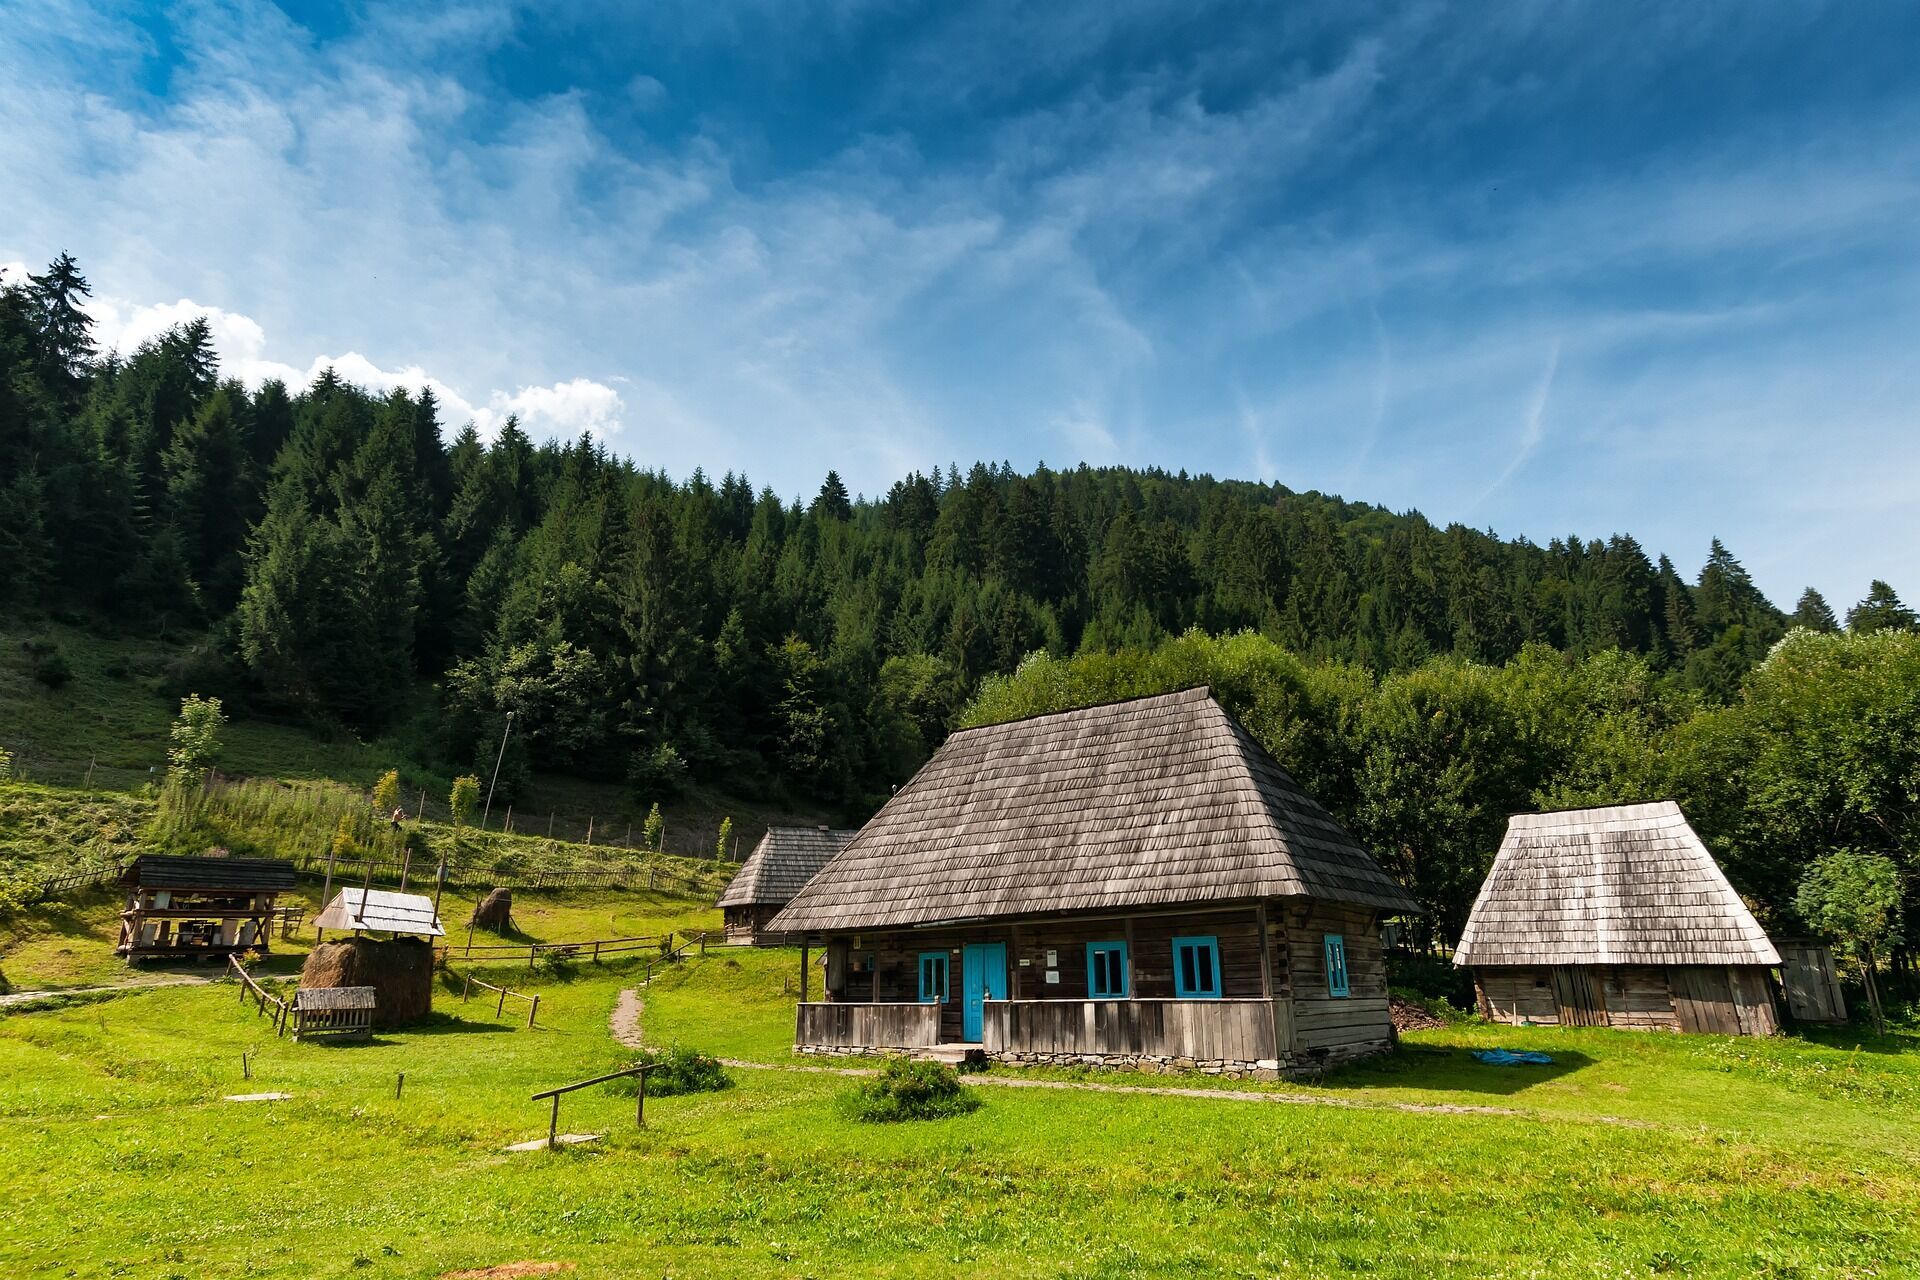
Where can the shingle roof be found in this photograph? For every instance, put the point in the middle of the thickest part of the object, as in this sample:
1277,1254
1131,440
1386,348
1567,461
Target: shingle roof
1154,801
785,859
1631,884
168,871
354,908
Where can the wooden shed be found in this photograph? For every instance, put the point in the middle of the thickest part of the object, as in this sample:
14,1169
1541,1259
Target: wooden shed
199,907
1616,917
1138,884
784,860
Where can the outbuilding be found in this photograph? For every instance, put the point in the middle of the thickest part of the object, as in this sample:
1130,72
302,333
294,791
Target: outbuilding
784,860
1139,884
1616,917
199,907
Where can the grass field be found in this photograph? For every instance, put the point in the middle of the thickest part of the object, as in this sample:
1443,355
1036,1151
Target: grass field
1633,1155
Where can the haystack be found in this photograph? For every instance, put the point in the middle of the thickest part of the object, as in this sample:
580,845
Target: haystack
495,911
400,971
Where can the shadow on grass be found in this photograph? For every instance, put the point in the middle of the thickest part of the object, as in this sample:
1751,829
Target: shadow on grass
1452,1067
437,1024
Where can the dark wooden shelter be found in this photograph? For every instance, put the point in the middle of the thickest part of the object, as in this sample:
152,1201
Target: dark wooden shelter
1616,917
199,907
1138,884
784,860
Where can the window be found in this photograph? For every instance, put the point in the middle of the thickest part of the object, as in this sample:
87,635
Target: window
1336,948
1196,968
1107,970
933,977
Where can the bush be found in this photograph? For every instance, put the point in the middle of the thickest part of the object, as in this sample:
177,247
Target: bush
1433,977
906,1090
681,1071
51,668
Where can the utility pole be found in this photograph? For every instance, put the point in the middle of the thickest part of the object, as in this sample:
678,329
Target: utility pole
496,771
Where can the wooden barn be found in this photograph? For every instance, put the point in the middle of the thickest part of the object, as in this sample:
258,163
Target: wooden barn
1139,884
785,859
194,907
1616,917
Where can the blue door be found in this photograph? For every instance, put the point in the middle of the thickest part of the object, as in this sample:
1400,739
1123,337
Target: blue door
983,976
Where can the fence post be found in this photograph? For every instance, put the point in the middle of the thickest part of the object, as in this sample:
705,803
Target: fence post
640,1107
498,1008
553,1124
466,985
532,1009
589,832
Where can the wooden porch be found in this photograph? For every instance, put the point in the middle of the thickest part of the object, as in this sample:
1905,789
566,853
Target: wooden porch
854,1027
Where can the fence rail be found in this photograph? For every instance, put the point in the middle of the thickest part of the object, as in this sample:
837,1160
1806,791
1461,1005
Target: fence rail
590,948
468,982
640,1107
387,870
266,1001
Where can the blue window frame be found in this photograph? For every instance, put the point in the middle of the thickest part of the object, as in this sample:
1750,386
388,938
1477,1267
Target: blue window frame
933,977
1107,970
1196,968
1336,949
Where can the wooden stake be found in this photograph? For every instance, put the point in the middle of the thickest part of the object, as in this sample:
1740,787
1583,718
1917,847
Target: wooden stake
589,833
640,1107
533,1009
246,1072
553,1124
399,1083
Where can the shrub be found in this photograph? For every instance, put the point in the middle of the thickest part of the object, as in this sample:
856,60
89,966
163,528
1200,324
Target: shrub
906,1090
680,1071
51,668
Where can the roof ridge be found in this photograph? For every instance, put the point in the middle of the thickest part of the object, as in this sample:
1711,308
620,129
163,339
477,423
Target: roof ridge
1206,690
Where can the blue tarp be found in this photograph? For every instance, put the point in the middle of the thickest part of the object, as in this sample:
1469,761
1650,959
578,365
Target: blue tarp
1507,1058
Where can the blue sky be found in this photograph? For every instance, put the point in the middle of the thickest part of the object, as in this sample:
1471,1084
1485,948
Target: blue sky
1546,268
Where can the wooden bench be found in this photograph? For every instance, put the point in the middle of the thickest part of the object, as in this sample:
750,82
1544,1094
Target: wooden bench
345,1013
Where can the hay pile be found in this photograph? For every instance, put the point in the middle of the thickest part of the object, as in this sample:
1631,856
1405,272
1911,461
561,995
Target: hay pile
495,911
400,971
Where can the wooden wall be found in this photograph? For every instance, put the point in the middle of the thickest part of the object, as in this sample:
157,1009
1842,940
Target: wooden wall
1342,1025
864,1026
1229,1030
1708,998
1514,994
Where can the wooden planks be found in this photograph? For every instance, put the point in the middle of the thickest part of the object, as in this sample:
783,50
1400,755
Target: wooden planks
868,1026
1204,1030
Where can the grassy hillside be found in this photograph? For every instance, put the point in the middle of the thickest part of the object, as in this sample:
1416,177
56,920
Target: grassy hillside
105,729
1634,1155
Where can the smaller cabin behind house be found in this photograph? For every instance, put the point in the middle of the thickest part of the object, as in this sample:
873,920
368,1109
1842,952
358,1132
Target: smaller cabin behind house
784,860
1616,917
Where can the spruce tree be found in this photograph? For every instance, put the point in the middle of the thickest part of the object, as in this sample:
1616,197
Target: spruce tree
1882,610
1813,612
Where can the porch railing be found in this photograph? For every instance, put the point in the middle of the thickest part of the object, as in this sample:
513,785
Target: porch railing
868,1026
1205,1030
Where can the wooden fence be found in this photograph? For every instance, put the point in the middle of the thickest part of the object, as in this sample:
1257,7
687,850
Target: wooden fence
266,1001
387,871
469,982
587,949
640,1107
69,882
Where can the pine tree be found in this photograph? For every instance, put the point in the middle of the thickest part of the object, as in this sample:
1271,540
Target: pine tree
833,502
1882,610
64,328
1813,612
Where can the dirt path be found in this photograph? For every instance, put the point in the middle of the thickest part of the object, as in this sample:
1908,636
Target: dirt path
626,1019
24,997
1217,1095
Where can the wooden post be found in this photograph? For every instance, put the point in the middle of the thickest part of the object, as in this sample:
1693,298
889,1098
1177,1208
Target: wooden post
533,1009
549,824
1132,992
501,1005
90,762
640,1107
421,808
466,985
1280,1037
509,819
476,911
1013,966
803,971
399,1083
326,892
553,1123
246,1072
629,833
589,831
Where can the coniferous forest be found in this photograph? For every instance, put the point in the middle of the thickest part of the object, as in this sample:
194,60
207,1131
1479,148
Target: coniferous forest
361,562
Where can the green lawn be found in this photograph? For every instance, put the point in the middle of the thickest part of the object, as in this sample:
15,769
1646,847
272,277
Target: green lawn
118,1157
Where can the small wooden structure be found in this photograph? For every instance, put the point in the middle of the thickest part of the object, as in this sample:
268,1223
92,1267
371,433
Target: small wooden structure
342,1013
784,860
1811,982
1133,885
199,907
395,971
1616,917
381,910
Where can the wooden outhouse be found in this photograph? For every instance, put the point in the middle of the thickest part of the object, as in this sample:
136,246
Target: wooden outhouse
199,907
1616,917
1138,884
784,860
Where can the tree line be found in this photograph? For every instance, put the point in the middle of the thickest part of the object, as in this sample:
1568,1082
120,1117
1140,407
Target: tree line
358,564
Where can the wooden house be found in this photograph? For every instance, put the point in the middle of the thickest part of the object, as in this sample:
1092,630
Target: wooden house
1616,917
785,859
1139,884
196,907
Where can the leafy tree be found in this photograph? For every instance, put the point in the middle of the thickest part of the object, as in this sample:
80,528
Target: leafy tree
654,829
1855,898
464,799
386,793
722,847
1882,610
195,736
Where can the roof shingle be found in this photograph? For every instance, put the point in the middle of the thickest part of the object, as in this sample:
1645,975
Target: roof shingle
1629,884
1154,801
784,860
